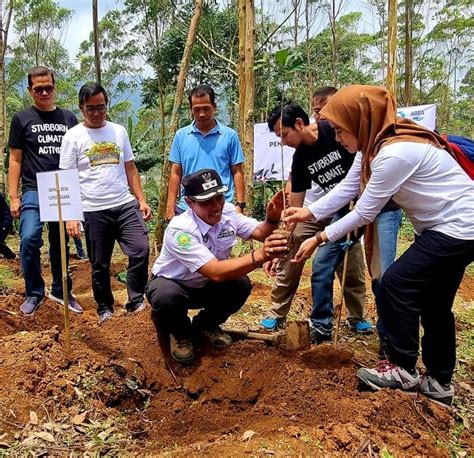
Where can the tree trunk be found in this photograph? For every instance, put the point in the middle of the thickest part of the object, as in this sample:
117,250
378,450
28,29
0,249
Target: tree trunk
248,144
4,26
408,52
241,68
95,26
332,20
165,174
391,82
296,22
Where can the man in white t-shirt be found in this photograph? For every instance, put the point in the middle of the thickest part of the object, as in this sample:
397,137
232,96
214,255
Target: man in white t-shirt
102,153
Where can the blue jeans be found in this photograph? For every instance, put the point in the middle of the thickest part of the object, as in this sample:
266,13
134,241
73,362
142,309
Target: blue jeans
325,263
387,225
31,241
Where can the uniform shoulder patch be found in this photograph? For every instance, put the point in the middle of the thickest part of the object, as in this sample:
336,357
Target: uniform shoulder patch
183,239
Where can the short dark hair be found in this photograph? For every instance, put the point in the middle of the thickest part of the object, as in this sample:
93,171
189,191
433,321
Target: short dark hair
202,91
289,113
324,92
88,90
39,70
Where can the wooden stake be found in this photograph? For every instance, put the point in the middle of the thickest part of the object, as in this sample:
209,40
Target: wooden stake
343,285
62,238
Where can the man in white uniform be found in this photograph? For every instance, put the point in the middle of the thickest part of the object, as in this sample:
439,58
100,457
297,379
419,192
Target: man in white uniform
193,269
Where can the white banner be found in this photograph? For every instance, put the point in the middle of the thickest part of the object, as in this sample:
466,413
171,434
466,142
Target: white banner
70,193
424,115
267,155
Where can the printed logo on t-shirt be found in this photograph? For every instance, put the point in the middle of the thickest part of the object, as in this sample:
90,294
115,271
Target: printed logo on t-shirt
330,173
104,153
46,135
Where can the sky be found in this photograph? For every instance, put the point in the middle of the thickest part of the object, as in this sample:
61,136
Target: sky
81,24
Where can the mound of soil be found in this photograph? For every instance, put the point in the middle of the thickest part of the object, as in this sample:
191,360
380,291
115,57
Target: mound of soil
119,391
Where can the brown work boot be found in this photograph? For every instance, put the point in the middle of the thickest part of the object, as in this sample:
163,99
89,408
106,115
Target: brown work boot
181,350
218,337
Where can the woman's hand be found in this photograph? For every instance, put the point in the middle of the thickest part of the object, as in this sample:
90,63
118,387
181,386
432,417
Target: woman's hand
308,246
296,215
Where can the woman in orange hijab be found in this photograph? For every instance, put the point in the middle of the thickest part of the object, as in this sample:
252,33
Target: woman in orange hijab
401,160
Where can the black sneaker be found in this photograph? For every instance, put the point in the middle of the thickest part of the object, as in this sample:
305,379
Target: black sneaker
181,350
441,394
217,337
318,337
135,308
30,306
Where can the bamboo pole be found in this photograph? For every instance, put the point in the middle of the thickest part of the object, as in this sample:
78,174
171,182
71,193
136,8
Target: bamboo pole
62,238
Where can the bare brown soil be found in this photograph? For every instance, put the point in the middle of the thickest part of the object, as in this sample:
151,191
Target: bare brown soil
120,393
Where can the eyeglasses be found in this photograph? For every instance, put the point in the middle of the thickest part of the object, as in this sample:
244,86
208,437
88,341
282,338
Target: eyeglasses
92,109
38,90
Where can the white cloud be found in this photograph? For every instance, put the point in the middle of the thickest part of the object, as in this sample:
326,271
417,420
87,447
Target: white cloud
80,26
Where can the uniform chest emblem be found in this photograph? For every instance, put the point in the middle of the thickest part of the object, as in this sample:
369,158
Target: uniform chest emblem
224,233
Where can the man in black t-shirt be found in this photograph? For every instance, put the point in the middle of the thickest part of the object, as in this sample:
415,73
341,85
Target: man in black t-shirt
35,140
320,159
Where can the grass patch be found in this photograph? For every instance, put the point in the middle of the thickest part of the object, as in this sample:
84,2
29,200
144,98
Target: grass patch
6,275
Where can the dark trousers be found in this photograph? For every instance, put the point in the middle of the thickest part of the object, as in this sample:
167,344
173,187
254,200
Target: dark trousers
125,225
422,284
4,250
171,300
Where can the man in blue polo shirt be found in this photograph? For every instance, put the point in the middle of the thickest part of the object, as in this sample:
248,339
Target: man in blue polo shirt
203,144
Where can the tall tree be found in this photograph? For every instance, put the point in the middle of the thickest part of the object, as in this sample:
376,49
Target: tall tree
39,26
5,18
248,97
161,221
392,48
408,52
95,28
120,67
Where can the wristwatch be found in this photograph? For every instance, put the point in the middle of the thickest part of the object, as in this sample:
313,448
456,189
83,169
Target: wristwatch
242,205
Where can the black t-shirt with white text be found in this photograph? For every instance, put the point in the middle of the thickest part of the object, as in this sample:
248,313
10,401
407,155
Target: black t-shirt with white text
39,135
326,162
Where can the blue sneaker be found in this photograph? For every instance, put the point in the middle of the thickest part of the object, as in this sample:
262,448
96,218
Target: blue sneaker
272,323
363,327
